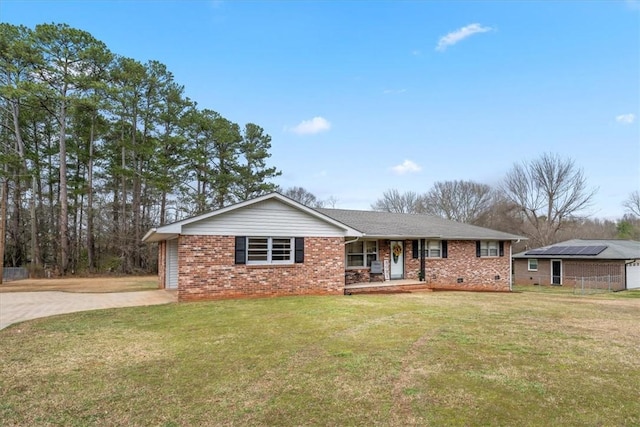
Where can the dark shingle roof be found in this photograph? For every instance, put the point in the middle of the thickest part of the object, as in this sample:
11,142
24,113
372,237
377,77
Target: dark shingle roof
616,249
398,225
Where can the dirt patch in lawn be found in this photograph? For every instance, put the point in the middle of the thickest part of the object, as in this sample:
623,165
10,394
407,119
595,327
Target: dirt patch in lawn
83,284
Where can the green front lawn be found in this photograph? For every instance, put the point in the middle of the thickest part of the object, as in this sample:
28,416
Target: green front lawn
442,358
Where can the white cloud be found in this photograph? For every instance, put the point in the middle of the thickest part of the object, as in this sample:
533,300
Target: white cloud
460,34
308,127
406,167
633,4
416,52
626,119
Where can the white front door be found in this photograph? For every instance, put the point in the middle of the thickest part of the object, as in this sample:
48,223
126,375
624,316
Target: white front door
397,260
556,272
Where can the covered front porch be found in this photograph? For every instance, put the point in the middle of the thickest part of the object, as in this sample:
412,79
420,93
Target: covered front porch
388,286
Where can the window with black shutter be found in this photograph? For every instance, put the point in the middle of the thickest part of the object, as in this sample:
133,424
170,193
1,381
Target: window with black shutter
489,248
241,250
268,250
299,258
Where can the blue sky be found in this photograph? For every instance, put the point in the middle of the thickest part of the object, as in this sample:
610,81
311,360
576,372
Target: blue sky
364,96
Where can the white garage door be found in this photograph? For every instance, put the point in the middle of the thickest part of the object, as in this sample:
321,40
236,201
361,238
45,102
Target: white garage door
172,264
633,275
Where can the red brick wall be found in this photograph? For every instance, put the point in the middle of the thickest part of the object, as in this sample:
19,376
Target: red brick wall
361,275
605,274
522,275
477,273
590,273
206,270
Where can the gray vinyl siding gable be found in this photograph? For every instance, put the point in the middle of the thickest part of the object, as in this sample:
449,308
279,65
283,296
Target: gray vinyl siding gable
267,218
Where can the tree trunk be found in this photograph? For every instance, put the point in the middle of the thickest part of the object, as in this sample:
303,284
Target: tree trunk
63,222
35,244
91,254
3,221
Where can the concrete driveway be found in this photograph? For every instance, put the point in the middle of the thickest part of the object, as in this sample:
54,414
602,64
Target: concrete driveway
18,306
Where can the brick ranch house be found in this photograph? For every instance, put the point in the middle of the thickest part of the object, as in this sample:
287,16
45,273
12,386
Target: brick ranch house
610,264
275,246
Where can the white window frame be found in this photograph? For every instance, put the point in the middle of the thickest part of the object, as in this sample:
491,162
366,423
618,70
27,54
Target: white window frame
430,245
487,246
529,268
270,260
435,246
365,254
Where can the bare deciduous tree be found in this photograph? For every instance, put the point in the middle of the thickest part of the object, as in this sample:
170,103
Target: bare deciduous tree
462,201
549,191
394,201
331,202
300,194
632,204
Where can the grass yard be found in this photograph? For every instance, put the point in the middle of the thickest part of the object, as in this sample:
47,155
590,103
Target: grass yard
441,358
83,284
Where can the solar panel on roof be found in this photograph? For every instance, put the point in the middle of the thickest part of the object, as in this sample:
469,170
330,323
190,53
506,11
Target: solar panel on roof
568,250
594,250
535,252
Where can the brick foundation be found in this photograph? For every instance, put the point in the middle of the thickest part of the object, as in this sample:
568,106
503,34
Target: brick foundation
207,270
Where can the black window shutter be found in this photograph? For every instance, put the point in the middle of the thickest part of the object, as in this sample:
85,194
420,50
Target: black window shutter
416,252
299,250
478,248
241,250
501,246
445,253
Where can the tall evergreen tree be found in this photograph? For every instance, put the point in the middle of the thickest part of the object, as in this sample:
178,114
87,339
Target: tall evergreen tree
254,177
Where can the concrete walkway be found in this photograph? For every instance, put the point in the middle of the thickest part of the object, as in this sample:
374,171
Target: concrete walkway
18,306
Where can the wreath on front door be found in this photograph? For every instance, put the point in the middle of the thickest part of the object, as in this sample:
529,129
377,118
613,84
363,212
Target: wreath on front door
397,250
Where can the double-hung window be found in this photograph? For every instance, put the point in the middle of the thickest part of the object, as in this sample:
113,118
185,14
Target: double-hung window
432,248
488,248
361,252
533,264
270,250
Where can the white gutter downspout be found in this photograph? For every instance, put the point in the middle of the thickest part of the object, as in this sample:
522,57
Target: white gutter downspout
351,241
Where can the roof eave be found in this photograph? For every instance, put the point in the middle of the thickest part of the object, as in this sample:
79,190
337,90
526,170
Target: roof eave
152,236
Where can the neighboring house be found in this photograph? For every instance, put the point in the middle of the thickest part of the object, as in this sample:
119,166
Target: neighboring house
614,264
272,245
